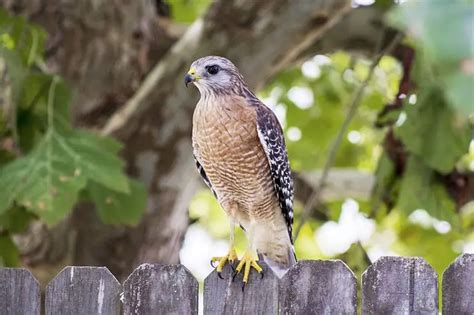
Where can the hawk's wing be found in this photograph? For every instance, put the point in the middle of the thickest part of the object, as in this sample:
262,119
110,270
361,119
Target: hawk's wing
273,143
204,177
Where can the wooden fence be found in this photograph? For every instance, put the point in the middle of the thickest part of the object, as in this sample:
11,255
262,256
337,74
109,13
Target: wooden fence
392,285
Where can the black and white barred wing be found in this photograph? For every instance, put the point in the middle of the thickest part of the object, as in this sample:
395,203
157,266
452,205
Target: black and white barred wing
273,142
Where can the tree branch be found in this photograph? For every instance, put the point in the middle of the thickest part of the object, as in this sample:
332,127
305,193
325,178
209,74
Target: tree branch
340,183
237,31
87,39
315,198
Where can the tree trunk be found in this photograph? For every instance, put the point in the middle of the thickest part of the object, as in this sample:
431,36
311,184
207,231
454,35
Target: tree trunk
106,50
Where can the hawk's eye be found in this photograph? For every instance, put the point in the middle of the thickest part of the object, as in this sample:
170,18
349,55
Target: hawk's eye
212,69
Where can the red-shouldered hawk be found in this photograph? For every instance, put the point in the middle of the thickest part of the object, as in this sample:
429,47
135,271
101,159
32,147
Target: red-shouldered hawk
241,155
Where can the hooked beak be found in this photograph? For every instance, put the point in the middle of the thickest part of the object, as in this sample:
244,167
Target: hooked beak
188,78
191,76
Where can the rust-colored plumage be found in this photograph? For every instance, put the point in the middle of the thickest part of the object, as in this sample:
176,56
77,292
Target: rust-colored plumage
232,152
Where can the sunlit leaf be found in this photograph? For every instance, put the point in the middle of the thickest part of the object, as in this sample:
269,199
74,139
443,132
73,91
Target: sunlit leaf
186,11
9,256
25,38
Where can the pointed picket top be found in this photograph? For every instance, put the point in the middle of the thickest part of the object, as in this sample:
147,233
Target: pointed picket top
159,289
318,287
458,286
19,292
400,285
83,290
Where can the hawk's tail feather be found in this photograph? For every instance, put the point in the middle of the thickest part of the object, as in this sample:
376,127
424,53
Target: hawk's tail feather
280,268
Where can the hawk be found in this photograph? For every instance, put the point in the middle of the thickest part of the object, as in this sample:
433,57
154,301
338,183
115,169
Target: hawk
240,153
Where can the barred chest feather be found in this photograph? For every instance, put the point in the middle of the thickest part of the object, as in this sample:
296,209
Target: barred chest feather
226,143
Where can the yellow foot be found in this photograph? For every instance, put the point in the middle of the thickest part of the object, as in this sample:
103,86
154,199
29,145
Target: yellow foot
230,257
247,262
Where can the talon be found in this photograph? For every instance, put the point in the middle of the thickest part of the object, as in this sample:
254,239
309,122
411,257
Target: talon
248,261
233,276
243,286
261,274
221,261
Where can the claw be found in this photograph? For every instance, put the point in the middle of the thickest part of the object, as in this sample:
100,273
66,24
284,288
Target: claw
243,286
247,262
261,274
222,261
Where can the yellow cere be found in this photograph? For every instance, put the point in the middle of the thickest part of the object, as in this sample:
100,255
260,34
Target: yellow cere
192,72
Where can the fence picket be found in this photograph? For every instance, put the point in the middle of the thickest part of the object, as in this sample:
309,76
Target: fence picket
225,296
318,287
160,289
19,292
83,290
458,286
392,285
400,285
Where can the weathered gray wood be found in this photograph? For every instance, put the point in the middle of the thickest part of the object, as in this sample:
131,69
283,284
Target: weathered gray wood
161,289
19,292
458,286
225,296
318,287
83,290
400,285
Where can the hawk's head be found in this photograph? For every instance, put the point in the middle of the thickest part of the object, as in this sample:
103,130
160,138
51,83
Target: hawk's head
214,75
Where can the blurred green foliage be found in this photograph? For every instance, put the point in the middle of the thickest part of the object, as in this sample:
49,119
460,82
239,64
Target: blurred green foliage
45,163
445,49
434,127
40,149
186,11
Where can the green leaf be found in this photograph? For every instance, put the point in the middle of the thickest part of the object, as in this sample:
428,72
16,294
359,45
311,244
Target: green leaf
6,156
186,11
460,91
47,181
384,177
34,88
449,41
107,144
16,219
116,207
58,161
447,48
25,38
421,188
434,132
9,256
90,154
17,71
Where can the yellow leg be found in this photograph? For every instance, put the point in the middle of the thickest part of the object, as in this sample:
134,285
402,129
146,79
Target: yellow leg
230,257
248,261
